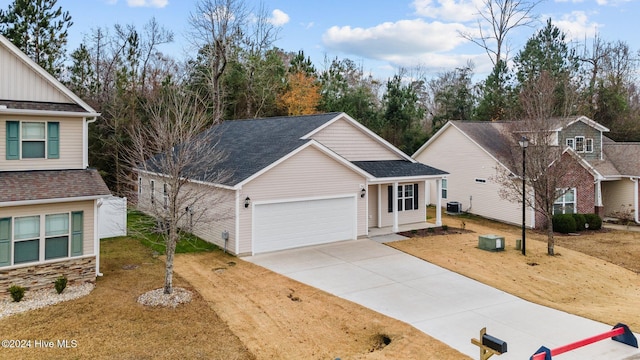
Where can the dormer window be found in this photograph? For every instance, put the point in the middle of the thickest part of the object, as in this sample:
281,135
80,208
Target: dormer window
579,144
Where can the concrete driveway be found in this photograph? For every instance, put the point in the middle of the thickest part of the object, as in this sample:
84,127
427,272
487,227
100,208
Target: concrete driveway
447,306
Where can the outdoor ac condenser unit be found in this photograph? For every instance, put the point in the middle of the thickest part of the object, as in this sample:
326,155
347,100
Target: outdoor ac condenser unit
454,207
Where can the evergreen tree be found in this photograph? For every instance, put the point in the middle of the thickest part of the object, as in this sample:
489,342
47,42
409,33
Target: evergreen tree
38,29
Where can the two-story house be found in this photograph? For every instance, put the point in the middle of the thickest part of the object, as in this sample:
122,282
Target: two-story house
603,179
49,197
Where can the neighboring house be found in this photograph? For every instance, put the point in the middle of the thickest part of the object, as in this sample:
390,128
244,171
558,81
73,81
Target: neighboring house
603,175
48,196
305,180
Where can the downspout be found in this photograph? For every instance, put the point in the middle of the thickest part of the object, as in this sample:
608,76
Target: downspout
635,199
96,234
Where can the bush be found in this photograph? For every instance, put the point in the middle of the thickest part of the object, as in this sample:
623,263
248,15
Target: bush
60,284
564,223
594,221
17,292
580,221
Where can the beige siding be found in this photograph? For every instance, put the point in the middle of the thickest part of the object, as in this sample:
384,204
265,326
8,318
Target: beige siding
308,174
71,151
21,82
352,143
404,217
213,212
87,207
372,198
466,163
617,196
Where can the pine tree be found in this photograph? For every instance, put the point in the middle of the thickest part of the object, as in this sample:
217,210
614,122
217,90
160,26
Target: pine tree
39,30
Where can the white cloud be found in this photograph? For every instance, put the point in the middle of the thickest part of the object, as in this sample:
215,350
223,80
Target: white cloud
448,10
278,18
571,1
392,39
611,2
147,3
577,25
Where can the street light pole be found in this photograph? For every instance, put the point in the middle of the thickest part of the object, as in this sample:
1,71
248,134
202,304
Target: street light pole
524,142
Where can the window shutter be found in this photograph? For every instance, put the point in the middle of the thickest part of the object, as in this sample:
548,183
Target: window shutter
5,242
53,140
13,140
390,193
416,198
77,226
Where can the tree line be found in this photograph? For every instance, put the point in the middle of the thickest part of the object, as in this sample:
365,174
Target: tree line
236,72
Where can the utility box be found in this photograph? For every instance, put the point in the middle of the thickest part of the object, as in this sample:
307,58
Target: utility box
491,242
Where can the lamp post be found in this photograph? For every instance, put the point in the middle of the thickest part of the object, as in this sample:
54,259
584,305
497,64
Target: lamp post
524,142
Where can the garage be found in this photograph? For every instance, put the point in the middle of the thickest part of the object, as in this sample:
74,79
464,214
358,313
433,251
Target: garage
286,225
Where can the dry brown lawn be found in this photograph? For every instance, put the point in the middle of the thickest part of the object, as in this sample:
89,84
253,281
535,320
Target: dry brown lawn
582,279
239,311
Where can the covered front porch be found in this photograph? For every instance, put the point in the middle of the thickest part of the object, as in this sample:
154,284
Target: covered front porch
387,230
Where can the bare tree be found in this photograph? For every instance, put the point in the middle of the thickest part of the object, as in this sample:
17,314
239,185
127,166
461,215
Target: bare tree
173,156
497,19
548,165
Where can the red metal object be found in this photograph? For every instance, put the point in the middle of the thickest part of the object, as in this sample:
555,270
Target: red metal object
581,343
620,333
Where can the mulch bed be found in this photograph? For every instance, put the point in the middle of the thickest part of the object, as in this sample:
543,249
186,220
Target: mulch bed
434,231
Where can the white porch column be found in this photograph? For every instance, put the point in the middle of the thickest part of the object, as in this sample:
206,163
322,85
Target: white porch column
395,207
598,192
439,202
379,206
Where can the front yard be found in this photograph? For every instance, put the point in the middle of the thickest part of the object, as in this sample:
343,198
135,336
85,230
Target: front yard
243,311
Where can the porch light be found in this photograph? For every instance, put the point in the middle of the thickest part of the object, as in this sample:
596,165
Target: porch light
363,192
247,201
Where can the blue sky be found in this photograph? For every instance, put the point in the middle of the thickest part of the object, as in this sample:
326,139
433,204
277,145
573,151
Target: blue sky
379,34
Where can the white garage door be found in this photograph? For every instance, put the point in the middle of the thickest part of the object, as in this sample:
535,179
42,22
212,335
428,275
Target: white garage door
293,224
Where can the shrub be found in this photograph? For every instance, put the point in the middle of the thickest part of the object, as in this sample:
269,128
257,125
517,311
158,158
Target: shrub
564,223
445,227
60,284
580,221
17,292
594,221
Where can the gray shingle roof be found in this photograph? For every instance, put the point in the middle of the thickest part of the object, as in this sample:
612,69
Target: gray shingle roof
50,184
625,157
36,105
494,137
253,144
397,168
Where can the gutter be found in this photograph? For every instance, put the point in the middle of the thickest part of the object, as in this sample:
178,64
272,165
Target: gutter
53,200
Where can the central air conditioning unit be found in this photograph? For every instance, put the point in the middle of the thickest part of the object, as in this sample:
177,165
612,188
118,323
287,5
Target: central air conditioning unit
454,207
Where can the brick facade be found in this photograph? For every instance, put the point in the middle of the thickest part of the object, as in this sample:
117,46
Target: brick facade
576,176
35,277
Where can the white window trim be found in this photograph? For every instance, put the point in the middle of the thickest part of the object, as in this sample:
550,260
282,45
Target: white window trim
153,192
42,238
444,188
583,144
588,143
402,198
563,203
571,143
23,140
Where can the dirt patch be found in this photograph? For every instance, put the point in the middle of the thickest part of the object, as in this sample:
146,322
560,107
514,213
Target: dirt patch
594,275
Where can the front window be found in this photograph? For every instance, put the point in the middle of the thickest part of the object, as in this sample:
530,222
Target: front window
56,243
565,203
444,188
588,146
405,197
571,143
26,235
33,140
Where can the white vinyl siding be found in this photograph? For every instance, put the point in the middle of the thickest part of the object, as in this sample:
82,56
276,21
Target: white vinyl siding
309,173
353,144
405,216
617,196
50,227
70,151
467,163
21,82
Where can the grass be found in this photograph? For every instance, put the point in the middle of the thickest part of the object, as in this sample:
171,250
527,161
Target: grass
141,227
